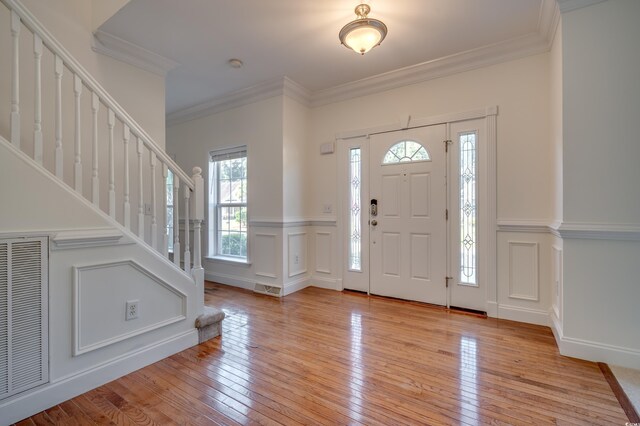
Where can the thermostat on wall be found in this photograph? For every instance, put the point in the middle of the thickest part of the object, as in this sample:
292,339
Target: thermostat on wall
327,148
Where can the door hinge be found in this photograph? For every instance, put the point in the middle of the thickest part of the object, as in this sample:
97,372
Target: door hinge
446,145
446,214
446,281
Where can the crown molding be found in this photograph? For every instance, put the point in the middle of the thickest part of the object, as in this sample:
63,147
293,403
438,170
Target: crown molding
132,54
472,59
537,42
237,98
569,5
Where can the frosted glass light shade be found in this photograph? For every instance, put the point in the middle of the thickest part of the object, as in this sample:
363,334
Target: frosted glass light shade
364,33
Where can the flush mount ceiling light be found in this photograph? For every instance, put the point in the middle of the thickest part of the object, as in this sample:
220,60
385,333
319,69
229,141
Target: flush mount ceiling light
364,33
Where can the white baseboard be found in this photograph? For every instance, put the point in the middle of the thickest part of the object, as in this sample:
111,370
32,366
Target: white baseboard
593,351
528,315
325,282
492,309
232,280
68,387
296,285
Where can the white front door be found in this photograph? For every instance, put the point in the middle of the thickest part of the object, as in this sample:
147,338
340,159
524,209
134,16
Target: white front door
407,234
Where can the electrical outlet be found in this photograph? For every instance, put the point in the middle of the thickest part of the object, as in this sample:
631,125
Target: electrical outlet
296,260
132,310
327,209
147,209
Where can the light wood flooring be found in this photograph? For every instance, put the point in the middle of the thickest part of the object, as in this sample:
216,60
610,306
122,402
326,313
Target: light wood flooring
325,357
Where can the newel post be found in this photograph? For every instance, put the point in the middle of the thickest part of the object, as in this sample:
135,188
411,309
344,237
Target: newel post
197,212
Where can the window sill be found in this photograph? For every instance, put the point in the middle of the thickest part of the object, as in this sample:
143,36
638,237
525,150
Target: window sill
229,260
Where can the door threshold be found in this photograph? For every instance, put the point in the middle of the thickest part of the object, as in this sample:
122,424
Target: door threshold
459,310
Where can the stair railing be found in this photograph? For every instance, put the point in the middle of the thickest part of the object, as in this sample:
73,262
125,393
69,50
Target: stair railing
152,162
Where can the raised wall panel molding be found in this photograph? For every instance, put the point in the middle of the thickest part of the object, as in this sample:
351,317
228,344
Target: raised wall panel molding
297,241
524,280
130,53
89,276
266,261
323,253
600,231
87,238
569,5
518,313
326,282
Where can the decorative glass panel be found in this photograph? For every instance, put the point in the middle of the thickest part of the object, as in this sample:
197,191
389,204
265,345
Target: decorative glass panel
468,208
406,151
355,240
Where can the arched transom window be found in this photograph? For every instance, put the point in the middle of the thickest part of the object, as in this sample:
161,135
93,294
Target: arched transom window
406,151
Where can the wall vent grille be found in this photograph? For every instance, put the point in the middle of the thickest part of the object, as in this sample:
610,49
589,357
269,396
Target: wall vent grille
267,289
23,314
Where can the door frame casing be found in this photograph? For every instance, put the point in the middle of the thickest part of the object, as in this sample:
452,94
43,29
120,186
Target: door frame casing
488,186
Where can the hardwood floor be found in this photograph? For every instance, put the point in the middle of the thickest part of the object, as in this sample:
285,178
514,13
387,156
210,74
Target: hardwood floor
324,357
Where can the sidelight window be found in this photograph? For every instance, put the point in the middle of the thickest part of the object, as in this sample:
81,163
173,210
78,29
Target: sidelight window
468,208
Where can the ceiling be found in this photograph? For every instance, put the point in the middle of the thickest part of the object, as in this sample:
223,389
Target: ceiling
299,39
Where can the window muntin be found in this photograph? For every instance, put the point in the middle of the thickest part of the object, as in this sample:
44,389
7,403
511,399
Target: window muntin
468,208
228,203
406,151
355,210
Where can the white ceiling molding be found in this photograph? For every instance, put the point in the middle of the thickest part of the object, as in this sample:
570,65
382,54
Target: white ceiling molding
477,58
132,54
569,5
238,98
520,47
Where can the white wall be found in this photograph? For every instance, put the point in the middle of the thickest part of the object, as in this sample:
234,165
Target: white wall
519,88
601,106
295,177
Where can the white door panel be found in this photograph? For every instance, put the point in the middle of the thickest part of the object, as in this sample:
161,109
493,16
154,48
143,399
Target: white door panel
408,243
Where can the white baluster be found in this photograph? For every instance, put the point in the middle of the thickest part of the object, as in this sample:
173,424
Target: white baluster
37,113
154,224
140,192
165,237
15,80
176,220
95,180
77,165
111,122
198,216
127,205
58,69
187,237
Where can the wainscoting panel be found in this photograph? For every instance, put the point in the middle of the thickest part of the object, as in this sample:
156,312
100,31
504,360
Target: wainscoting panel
265,255
323,252
297,253
524,280
102,293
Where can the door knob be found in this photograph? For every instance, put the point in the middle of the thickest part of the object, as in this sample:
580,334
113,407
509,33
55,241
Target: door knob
374,222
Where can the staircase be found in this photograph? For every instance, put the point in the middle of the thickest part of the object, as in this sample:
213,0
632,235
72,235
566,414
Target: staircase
87,152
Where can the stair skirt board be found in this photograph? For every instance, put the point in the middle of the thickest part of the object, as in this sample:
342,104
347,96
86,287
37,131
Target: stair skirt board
68,387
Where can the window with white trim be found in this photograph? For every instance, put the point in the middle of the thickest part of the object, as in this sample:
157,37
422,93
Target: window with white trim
227,212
